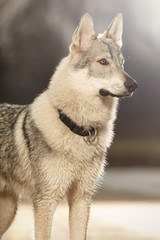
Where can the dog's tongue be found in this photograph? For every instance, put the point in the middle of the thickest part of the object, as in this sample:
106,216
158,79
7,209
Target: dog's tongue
104,92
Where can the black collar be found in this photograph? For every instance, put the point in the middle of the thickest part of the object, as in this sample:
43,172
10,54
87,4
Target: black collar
81,131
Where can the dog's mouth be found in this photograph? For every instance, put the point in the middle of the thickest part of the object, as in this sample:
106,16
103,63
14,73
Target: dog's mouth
105,93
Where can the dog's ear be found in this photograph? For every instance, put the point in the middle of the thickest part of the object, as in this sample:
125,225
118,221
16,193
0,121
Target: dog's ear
84,34
115,30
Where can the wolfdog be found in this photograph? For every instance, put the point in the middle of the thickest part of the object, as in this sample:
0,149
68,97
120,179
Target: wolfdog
56,146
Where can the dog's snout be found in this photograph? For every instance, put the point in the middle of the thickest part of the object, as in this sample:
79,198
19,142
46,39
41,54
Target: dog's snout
130,84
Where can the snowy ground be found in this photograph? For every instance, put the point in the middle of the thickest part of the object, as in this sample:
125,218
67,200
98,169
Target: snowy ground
126,208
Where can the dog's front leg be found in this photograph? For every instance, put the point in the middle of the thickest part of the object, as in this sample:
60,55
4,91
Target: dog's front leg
78,216
43,213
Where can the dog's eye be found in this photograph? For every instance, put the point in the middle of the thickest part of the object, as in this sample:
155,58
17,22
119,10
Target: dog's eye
103,61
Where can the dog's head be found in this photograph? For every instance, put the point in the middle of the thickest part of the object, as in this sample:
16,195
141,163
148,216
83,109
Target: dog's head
98,61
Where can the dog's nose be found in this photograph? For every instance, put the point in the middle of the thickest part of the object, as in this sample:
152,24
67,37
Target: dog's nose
130,84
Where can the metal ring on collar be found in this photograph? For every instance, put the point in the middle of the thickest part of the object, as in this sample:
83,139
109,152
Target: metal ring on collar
90,138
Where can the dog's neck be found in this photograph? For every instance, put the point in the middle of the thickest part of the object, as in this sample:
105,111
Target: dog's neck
88,135
84,109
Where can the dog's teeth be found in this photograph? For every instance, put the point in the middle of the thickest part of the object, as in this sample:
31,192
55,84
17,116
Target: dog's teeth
104,92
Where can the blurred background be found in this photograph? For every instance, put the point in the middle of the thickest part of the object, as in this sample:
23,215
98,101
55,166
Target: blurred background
35,35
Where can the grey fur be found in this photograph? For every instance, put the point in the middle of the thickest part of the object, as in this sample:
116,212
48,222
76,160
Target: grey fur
10,163
99,48
8,152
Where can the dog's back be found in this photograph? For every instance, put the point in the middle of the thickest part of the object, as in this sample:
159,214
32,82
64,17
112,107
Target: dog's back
8,152
8,116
